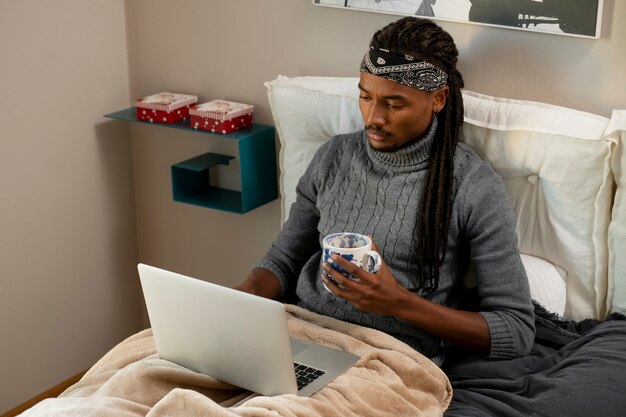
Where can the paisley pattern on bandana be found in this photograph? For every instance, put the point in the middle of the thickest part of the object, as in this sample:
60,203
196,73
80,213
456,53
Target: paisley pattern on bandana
404,70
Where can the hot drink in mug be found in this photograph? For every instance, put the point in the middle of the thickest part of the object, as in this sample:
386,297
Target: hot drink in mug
354,247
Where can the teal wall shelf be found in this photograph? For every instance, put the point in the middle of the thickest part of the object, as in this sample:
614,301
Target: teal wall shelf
190,178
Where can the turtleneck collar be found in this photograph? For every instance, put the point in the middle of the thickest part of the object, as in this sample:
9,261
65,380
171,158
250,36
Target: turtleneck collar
408,158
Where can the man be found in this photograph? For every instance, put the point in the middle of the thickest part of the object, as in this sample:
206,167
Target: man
432,207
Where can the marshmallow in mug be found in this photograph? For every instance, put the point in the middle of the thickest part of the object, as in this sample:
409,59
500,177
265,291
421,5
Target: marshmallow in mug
353,247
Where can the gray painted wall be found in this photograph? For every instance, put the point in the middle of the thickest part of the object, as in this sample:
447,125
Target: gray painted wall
68,248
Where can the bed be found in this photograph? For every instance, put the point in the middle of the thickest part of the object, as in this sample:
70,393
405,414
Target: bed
564,172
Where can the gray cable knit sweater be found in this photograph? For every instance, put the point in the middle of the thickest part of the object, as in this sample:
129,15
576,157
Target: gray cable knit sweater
349,186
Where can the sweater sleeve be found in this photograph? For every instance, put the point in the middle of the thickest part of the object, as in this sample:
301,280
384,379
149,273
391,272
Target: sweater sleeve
502,285
299,238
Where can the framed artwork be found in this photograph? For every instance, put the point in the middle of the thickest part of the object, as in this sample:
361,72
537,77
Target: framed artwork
564,17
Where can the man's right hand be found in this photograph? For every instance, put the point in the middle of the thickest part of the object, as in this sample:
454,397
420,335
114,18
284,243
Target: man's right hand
261,282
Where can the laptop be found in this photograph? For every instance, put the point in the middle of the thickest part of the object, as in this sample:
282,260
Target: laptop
235,337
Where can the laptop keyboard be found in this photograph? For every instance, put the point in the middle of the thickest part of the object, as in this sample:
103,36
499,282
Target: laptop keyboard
305,374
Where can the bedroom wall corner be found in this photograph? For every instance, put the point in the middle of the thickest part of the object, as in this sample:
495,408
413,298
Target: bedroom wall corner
68,283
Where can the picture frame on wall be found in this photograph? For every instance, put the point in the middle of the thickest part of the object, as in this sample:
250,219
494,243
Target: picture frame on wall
582,18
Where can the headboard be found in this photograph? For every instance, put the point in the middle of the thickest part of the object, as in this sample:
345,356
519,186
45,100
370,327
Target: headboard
562,169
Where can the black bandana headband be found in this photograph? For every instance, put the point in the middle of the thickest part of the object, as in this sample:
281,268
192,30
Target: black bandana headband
403,69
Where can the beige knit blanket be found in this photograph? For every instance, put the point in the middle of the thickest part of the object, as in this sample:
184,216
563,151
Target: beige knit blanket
391,379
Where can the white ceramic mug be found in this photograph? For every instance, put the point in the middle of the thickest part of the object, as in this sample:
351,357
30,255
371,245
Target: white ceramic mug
353,247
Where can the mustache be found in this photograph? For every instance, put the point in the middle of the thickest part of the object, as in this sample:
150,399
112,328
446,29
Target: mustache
377,130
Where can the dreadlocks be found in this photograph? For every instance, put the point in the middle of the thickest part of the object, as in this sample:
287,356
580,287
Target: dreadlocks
426,41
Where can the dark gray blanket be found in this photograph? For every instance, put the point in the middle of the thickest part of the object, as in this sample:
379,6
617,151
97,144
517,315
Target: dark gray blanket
574,369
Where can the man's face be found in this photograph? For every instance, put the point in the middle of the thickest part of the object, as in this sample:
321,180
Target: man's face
396,115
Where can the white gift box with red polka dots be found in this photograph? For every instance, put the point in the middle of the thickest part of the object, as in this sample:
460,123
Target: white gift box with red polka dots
165,107
221,116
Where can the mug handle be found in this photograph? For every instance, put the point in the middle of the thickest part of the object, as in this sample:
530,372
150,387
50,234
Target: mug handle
372,260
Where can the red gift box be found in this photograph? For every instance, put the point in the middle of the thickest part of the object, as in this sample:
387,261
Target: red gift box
165,107
221,116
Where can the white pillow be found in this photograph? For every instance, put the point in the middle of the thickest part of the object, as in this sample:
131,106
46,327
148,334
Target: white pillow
556,167
308,111
547,283
616,132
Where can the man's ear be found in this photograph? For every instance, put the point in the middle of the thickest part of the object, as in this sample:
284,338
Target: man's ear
439,98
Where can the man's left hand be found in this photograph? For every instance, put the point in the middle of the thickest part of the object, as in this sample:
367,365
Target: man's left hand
377,292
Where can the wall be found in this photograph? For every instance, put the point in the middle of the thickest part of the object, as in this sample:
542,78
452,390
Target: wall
68,285
228,48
